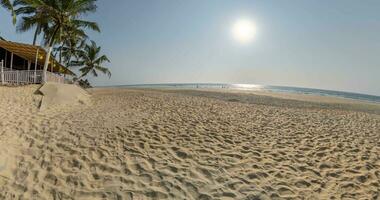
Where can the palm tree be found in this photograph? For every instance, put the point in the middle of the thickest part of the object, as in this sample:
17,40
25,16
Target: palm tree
8,5
70,43
31,17
91,62
61,15
70,50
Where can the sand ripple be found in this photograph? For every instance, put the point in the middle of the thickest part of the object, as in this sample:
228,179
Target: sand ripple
153,145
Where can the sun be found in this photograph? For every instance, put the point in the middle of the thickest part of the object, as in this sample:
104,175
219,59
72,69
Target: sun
244,31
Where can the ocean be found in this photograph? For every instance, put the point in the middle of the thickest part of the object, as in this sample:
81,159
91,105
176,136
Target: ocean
252,87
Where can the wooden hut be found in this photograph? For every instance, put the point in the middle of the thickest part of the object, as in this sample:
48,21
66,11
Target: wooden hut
23,64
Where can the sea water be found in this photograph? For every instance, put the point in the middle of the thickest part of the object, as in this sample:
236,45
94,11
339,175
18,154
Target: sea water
252,87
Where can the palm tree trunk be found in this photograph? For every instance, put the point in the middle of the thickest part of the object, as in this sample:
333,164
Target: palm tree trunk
60,54
81,76
35,36
8,5
51,43
47,62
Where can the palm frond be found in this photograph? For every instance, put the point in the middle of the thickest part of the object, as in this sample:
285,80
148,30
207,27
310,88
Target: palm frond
86,24
8,5
104,70
102,59
92,62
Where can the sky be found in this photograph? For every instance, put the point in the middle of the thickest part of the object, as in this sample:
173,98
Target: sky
324,44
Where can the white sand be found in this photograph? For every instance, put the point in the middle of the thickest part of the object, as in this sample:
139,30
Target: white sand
140,144
62,94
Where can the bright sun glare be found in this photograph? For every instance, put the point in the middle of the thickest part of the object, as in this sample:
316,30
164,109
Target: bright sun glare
244,31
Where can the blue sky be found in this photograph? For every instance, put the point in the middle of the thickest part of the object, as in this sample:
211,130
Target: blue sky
311,43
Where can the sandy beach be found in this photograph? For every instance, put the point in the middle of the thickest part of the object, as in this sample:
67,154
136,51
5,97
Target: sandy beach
187,144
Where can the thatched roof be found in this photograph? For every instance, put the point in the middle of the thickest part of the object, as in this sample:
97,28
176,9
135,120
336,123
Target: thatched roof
29,52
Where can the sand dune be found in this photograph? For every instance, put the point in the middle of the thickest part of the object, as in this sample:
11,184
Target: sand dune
139,144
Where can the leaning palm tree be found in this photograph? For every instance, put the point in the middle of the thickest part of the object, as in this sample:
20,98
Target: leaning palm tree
91,62
7,4
59,15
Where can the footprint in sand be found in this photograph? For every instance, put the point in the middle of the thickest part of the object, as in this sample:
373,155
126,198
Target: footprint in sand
3,165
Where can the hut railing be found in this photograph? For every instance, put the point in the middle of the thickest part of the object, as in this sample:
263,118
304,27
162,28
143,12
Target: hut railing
20,77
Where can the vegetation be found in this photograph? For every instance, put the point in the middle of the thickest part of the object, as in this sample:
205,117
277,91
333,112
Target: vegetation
84,83
91,61
30,17
7,4
60,25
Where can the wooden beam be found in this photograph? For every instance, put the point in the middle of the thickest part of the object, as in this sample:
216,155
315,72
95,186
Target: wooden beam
11,61
6,56
2,72
35,67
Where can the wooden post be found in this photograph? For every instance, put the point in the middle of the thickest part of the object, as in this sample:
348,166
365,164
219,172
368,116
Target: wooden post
35,66
2,72
6,57
28,74
11,61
